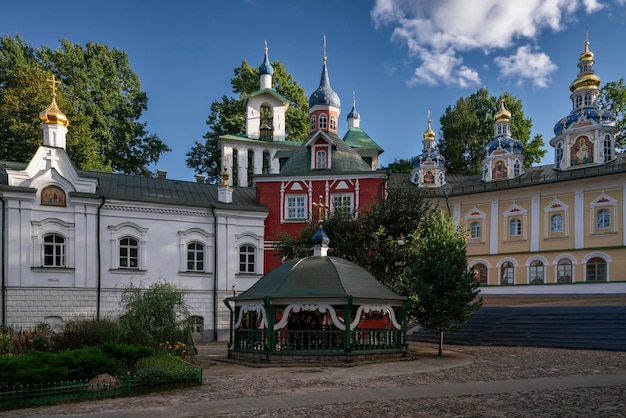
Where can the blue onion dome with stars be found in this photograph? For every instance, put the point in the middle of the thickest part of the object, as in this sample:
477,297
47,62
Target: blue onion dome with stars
429,154
266,66
324,95
502,139
592,113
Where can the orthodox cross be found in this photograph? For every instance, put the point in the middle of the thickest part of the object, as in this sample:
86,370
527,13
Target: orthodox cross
320,208
54,82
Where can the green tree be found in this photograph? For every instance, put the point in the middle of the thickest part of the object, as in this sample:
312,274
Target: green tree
468,125
446,290
228,116
613,98
400,166
155,315
100,95
384,238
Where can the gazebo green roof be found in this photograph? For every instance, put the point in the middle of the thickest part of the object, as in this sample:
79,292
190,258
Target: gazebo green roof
320,278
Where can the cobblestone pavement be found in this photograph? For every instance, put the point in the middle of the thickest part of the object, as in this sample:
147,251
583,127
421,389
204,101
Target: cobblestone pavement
466,382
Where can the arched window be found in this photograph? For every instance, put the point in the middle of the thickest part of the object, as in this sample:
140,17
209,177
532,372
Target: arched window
556,223
603,219
536,272
53,250
247,257
588,99
596,270
475,230
195,256
608,149
480,273
320,159
507,273
515,227
579,101
333,123
517,168
558,155
564,271
313,122
129,253
323,122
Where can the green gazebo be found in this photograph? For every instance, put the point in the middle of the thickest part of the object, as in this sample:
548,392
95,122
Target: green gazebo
320,307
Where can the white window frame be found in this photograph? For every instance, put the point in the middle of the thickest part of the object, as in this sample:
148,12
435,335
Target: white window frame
572,263
50,226
476,215
58,250
555,207
320,159
349,208
333,123
515,212
200,236
323,122
301,206
313,123
601,203
243,251
128,230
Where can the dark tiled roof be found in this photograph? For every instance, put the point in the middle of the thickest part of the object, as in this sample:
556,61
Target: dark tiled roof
459,184
156,190
344,158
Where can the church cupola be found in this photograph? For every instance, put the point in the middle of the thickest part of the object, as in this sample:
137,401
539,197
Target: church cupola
587,135
324,104
54,122
266,71
353,119
503,155
428,167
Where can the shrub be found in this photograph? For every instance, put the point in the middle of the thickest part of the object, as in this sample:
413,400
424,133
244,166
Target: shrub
88,333
154,315
127,354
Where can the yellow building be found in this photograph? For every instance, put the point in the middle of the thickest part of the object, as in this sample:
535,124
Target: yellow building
559,224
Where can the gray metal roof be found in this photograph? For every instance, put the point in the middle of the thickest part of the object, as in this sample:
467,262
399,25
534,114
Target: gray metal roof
460,184
343,158
156,190
319,278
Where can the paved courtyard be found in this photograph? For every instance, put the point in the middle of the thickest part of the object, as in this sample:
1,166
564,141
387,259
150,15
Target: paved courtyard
466,382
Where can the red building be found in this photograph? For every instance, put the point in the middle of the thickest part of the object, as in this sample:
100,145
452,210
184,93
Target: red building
338,173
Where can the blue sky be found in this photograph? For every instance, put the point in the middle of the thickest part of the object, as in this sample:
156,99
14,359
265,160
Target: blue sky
400,57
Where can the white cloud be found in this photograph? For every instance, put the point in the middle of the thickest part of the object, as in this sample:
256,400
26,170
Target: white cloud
527,66
438,33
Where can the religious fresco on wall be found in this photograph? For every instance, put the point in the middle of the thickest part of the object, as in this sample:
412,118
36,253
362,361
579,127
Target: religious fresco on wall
581,151
500,170
53,196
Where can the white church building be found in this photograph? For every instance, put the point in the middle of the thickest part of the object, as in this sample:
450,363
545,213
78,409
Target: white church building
72,240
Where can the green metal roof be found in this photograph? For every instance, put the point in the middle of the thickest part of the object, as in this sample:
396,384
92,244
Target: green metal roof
319,278
357,138
287,144
267,91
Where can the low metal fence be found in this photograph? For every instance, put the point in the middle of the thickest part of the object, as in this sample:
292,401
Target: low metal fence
57,392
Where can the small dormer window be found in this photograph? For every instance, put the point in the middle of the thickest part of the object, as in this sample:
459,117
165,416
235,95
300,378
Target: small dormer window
323,122
333,123
320,159
313,122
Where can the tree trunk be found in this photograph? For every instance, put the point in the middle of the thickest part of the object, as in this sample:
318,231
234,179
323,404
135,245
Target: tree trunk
440,341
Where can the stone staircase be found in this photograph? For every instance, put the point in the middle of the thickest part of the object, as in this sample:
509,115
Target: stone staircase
577,327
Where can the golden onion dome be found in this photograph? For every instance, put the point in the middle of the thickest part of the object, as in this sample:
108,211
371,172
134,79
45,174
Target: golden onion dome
429,134
585,82
587,55
503,114
53,115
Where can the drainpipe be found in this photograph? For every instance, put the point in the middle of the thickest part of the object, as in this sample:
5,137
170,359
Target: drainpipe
214,273
98,260
4,284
